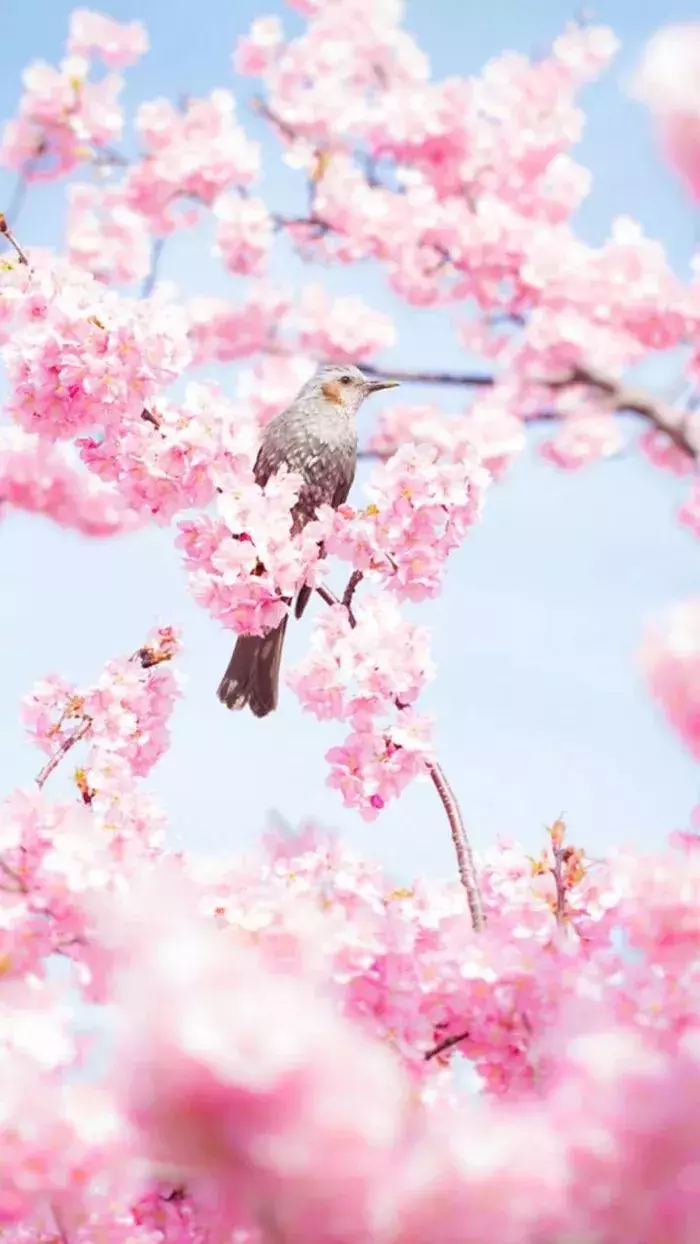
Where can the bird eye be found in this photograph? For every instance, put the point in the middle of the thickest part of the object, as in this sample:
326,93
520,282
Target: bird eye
346,379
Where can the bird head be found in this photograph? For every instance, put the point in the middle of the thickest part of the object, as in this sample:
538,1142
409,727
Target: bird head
344,386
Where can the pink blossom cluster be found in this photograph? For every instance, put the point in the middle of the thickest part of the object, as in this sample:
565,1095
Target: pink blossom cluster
63,119
421,504
222,331
689,513
105,237
486,427
124,715
667,81
39,478
482,164
190,157
341,328
80,357
272,382
117,44
244,233
246,564
255,52
369,671
671,660
211,1110
175,458
239,1107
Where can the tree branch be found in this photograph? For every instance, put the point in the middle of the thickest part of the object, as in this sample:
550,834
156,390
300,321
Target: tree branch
65,747
621,398
447,1044
352,585
152,275
456,378
463,851
462,846
6,231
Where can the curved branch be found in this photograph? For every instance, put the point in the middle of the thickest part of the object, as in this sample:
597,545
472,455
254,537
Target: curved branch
462,845
621,397
463,851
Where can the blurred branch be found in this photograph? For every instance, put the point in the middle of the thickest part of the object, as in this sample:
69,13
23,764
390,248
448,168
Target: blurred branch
445,1045
259,105
152,276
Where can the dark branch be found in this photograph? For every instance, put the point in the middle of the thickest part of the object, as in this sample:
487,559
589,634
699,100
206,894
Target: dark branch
447,1044
463,379
352,585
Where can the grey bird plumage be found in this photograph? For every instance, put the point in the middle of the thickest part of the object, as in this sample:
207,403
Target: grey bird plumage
316,436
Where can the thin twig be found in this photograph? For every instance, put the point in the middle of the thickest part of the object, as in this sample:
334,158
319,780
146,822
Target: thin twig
259,105
447,1044
295,222
6,231
326,595
150,416
462,379
465,858
65,747
152,276
20,884
352,585
558,875
462,846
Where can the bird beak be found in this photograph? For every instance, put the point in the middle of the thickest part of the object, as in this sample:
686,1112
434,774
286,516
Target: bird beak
375,386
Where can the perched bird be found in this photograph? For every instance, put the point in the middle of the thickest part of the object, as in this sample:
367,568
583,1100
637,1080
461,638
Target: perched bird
317,437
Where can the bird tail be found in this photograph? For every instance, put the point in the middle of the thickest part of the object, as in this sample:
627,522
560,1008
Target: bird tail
253,673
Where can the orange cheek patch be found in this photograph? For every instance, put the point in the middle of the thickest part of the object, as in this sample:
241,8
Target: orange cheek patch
332,390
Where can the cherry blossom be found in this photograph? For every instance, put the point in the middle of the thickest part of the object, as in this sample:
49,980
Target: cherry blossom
62,118
244,234
39,478
279,1037
190,157
105,237
421,504
667,81
671,659
118,44
81,356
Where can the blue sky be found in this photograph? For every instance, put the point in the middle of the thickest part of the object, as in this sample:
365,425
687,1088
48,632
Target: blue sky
539,704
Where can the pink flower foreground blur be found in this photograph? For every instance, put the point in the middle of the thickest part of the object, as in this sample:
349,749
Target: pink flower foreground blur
281,1038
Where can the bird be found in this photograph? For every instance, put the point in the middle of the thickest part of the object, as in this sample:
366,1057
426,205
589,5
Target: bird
315,436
